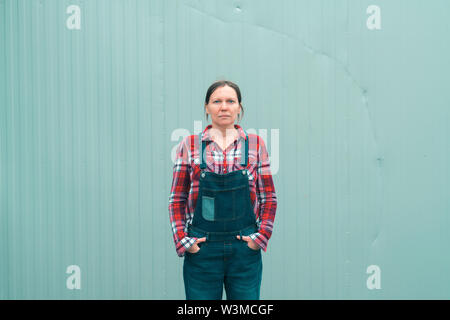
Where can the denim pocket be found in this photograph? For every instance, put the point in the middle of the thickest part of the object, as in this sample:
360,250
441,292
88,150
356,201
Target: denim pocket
208,208
193,253
247,248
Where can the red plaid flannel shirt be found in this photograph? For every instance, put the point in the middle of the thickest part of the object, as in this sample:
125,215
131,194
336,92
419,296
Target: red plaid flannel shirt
185,183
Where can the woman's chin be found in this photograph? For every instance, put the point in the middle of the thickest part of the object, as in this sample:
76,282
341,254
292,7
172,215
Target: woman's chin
225,120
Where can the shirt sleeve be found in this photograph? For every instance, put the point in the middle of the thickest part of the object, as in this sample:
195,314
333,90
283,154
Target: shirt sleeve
265,191
178,199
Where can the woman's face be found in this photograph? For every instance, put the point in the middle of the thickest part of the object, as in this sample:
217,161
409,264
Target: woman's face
223,107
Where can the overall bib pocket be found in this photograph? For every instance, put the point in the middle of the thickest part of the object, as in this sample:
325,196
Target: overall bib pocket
224,205
208,205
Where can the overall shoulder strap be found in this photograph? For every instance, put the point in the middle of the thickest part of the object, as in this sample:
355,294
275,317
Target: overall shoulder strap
244,151
201,148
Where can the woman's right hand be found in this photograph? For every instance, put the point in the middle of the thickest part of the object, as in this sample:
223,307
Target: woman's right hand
195,248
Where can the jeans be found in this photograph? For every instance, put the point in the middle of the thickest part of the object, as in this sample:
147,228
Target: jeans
228,264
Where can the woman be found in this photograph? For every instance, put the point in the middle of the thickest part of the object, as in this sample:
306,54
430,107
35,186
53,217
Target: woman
222,204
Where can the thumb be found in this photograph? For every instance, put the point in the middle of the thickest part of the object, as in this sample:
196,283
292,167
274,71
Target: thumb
201,239
245,238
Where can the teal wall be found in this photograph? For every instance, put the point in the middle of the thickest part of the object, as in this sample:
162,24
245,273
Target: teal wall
356,121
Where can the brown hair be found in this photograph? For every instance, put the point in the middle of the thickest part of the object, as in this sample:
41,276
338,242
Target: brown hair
223,83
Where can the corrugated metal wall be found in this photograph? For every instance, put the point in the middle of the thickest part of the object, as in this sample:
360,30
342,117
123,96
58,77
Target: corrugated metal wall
356,121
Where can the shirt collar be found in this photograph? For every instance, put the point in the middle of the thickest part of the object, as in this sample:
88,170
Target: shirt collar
206,132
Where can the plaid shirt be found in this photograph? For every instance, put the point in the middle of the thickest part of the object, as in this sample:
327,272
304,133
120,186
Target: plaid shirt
185,183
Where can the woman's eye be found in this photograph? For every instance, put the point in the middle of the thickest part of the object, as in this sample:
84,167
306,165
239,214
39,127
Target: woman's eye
218,101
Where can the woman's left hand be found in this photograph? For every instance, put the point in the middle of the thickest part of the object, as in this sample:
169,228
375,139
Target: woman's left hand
250,243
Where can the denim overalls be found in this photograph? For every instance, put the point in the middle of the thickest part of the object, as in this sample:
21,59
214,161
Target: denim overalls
223,211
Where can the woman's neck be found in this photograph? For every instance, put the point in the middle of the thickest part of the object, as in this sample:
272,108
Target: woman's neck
224,136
